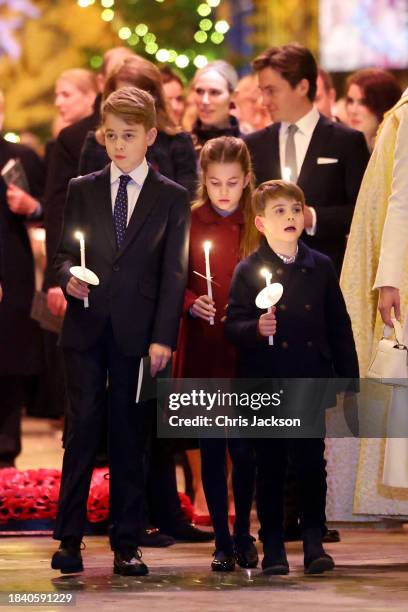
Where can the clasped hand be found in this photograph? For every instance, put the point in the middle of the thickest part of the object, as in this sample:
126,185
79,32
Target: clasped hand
20,202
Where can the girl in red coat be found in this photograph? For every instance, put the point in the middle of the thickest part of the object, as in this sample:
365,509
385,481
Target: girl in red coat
222,215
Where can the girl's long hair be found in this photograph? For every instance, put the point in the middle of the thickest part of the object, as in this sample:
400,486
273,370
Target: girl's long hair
228,149
139,72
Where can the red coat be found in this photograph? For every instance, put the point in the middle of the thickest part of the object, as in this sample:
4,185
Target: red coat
203,350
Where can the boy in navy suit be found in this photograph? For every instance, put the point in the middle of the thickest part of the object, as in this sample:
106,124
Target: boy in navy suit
136,227
312,339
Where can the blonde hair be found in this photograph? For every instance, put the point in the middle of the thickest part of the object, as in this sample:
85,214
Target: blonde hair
273,190
224,150
84,80
139,72
132,105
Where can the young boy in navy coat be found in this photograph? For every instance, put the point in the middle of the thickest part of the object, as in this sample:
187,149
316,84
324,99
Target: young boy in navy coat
136,227
312,339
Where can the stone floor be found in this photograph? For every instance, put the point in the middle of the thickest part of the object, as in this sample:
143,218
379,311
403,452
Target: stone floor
371,569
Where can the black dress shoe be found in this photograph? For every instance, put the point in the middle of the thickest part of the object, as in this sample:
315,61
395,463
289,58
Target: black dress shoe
68,558
129,563
245,551
316,560
223,562
331,535
185,532
151,537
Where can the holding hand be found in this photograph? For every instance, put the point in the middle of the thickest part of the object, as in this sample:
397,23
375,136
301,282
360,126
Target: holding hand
389,299
77,288
20,202
56,302
159,356
204,308
267,323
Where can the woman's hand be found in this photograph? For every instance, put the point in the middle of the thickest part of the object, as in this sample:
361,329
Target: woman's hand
203,308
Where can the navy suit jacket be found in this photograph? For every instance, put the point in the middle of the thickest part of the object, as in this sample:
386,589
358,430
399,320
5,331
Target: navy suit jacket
331,189
314,338
142,284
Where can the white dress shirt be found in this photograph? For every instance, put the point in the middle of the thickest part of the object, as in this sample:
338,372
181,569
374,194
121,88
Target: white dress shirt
134,186
306,126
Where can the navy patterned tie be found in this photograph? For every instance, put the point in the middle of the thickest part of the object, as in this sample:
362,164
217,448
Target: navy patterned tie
120,210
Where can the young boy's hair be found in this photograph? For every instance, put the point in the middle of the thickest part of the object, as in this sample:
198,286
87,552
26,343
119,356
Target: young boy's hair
273,190
132,105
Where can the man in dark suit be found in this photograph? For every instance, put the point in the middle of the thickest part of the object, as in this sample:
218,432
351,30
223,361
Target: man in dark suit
136,225
20,340
326,159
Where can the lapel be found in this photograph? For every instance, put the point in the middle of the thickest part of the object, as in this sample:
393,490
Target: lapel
320,136
102,180
145,202
273,153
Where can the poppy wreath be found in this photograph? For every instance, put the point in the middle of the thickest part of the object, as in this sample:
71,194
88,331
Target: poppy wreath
33,494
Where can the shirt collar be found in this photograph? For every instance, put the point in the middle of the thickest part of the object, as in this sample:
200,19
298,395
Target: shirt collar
138,175
306,124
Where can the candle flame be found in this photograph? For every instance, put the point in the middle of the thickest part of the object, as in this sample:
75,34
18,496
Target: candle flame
207,245
266,273
286,174
79,235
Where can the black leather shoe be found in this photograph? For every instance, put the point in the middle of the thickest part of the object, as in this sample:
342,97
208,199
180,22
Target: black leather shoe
129,563
331,535
151,537
223,562
316,560
68,558
185,532
245,551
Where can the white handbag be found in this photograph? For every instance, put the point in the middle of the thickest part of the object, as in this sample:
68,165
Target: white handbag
389,364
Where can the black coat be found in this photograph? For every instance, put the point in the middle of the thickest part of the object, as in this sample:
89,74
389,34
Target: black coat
142,285
331,189
19,334
62,166
172,156
314,336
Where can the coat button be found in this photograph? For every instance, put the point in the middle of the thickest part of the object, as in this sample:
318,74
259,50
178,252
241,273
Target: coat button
304,270
279,271
116,268
284,344
282,306
309,344
308,307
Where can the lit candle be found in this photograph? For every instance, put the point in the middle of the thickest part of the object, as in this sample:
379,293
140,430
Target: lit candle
79,236
268,278
286,174
207,247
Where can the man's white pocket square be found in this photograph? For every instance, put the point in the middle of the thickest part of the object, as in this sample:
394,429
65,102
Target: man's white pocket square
327,160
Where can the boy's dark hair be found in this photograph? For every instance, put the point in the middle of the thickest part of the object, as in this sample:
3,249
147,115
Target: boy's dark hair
132,105
272,190
293,62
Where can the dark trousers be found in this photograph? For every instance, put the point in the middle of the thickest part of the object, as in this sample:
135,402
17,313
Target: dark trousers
11,403
128,429
307,457
214,476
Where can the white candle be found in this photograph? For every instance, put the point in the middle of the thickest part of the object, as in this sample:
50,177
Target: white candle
80,237
286,174
268,278
207,247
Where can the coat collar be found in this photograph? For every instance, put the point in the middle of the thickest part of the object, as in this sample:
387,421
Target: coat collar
207,215
304,257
